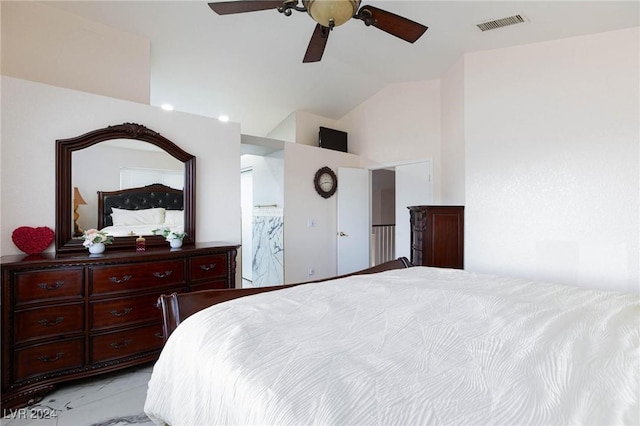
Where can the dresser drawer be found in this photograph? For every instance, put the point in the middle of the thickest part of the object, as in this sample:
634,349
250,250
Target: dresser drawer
128,310
121,344
43,359
204,267
136,276
44,322
35,286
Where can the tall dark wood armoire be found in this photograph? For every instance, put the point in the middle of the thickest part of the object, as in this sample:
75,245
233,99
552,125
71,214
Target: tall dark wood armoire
437,236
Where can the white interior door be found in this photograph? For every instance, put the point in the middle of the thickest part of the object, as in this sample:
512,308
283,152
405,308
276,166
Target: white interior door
414,187
353,220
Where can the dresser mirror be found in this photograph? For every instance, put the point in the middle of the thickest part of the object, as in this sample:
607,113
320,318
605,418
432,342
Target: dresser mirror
129,167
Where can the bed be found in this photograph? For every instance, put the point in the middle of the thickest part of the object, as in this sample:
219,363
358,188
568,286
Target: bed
141,210
407,346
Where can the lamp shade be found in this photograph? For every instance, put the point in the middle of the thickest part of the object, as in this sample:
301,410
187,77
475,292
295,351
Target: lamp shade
331,13
77,198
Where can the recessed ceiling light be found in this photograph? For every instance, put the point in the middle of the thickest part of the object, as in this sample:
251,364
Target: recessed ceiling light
223,118
167,107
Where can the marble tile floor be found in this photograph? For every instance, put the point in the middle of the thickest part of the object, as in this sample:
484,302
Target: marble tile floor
115,399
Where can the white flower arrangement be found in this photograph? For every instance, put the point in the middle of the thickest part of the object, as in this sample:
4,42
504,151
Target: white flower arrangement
168,234
92,236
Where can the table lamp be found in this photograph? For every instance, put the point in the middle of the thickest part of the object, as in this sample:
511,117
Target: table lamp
77,201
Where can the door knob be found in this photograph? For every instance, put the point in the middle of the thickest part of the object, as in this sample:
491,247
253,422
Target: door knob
342,234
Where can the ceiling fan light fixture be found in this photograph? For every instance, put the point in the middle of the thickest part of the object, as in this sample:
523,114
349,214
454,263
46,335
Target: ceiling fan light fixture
331,13
328,14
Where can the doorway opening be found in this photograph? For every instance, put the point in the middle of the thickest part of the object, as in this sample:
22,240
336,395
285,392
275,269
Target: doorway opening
383,216
262,206
378,229
396,187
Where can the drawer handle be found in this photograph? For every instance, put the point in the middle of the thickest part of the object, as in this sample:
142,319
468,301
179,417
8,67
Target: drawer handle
159,335
208,267
120,281
164,274
47,323
124,344
121,314
46,358
55,286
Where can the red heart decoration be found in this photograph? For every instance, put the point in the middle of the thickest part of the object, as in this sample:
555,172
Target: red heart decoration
32,240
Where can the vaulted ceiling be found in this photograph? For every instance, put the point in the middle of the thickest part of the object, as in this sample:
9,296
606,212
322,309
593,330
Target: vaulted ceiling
249,66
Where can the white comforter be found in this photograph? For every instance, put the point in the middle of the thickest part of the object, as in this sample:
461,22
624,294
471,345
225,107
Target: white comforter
407,347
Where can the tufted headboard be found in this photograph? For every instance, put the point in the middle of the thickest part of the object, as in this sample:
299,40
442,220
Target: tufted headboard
144,197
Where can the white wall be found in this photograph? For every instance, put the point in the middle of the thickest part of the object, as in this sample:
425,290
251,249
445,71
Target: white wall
552,161
34,115
398,124
286,130
453,136
306,247
48,45
413,188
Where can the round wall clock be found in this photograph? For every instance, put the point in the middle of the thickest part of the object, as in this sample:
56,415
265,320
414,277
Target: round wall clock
326,182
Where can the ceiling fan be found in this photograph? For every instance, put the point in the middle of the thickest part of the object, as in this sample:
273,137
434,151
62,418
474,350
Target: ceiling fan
328,14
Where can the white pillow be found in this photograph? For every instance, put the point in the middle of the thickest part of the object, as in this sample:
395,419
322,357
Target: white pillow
174,217
122,217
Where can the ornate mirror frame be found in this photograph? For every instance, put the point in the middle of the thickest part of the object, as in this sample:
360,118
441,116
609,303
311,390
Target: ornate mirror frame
65,242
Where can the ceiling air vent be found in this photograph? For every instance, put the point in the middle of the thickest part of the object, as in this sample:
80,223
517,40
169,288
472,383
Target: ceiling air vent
504,22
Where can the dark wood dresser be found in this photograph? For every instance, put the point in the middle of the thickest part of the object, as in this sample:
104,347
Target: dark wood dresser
76,315
437,236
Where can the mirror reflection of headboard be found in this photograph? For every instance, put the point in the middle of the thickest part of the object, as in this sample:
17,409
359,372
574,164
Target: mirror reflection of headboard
145,197
64,238
122,164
